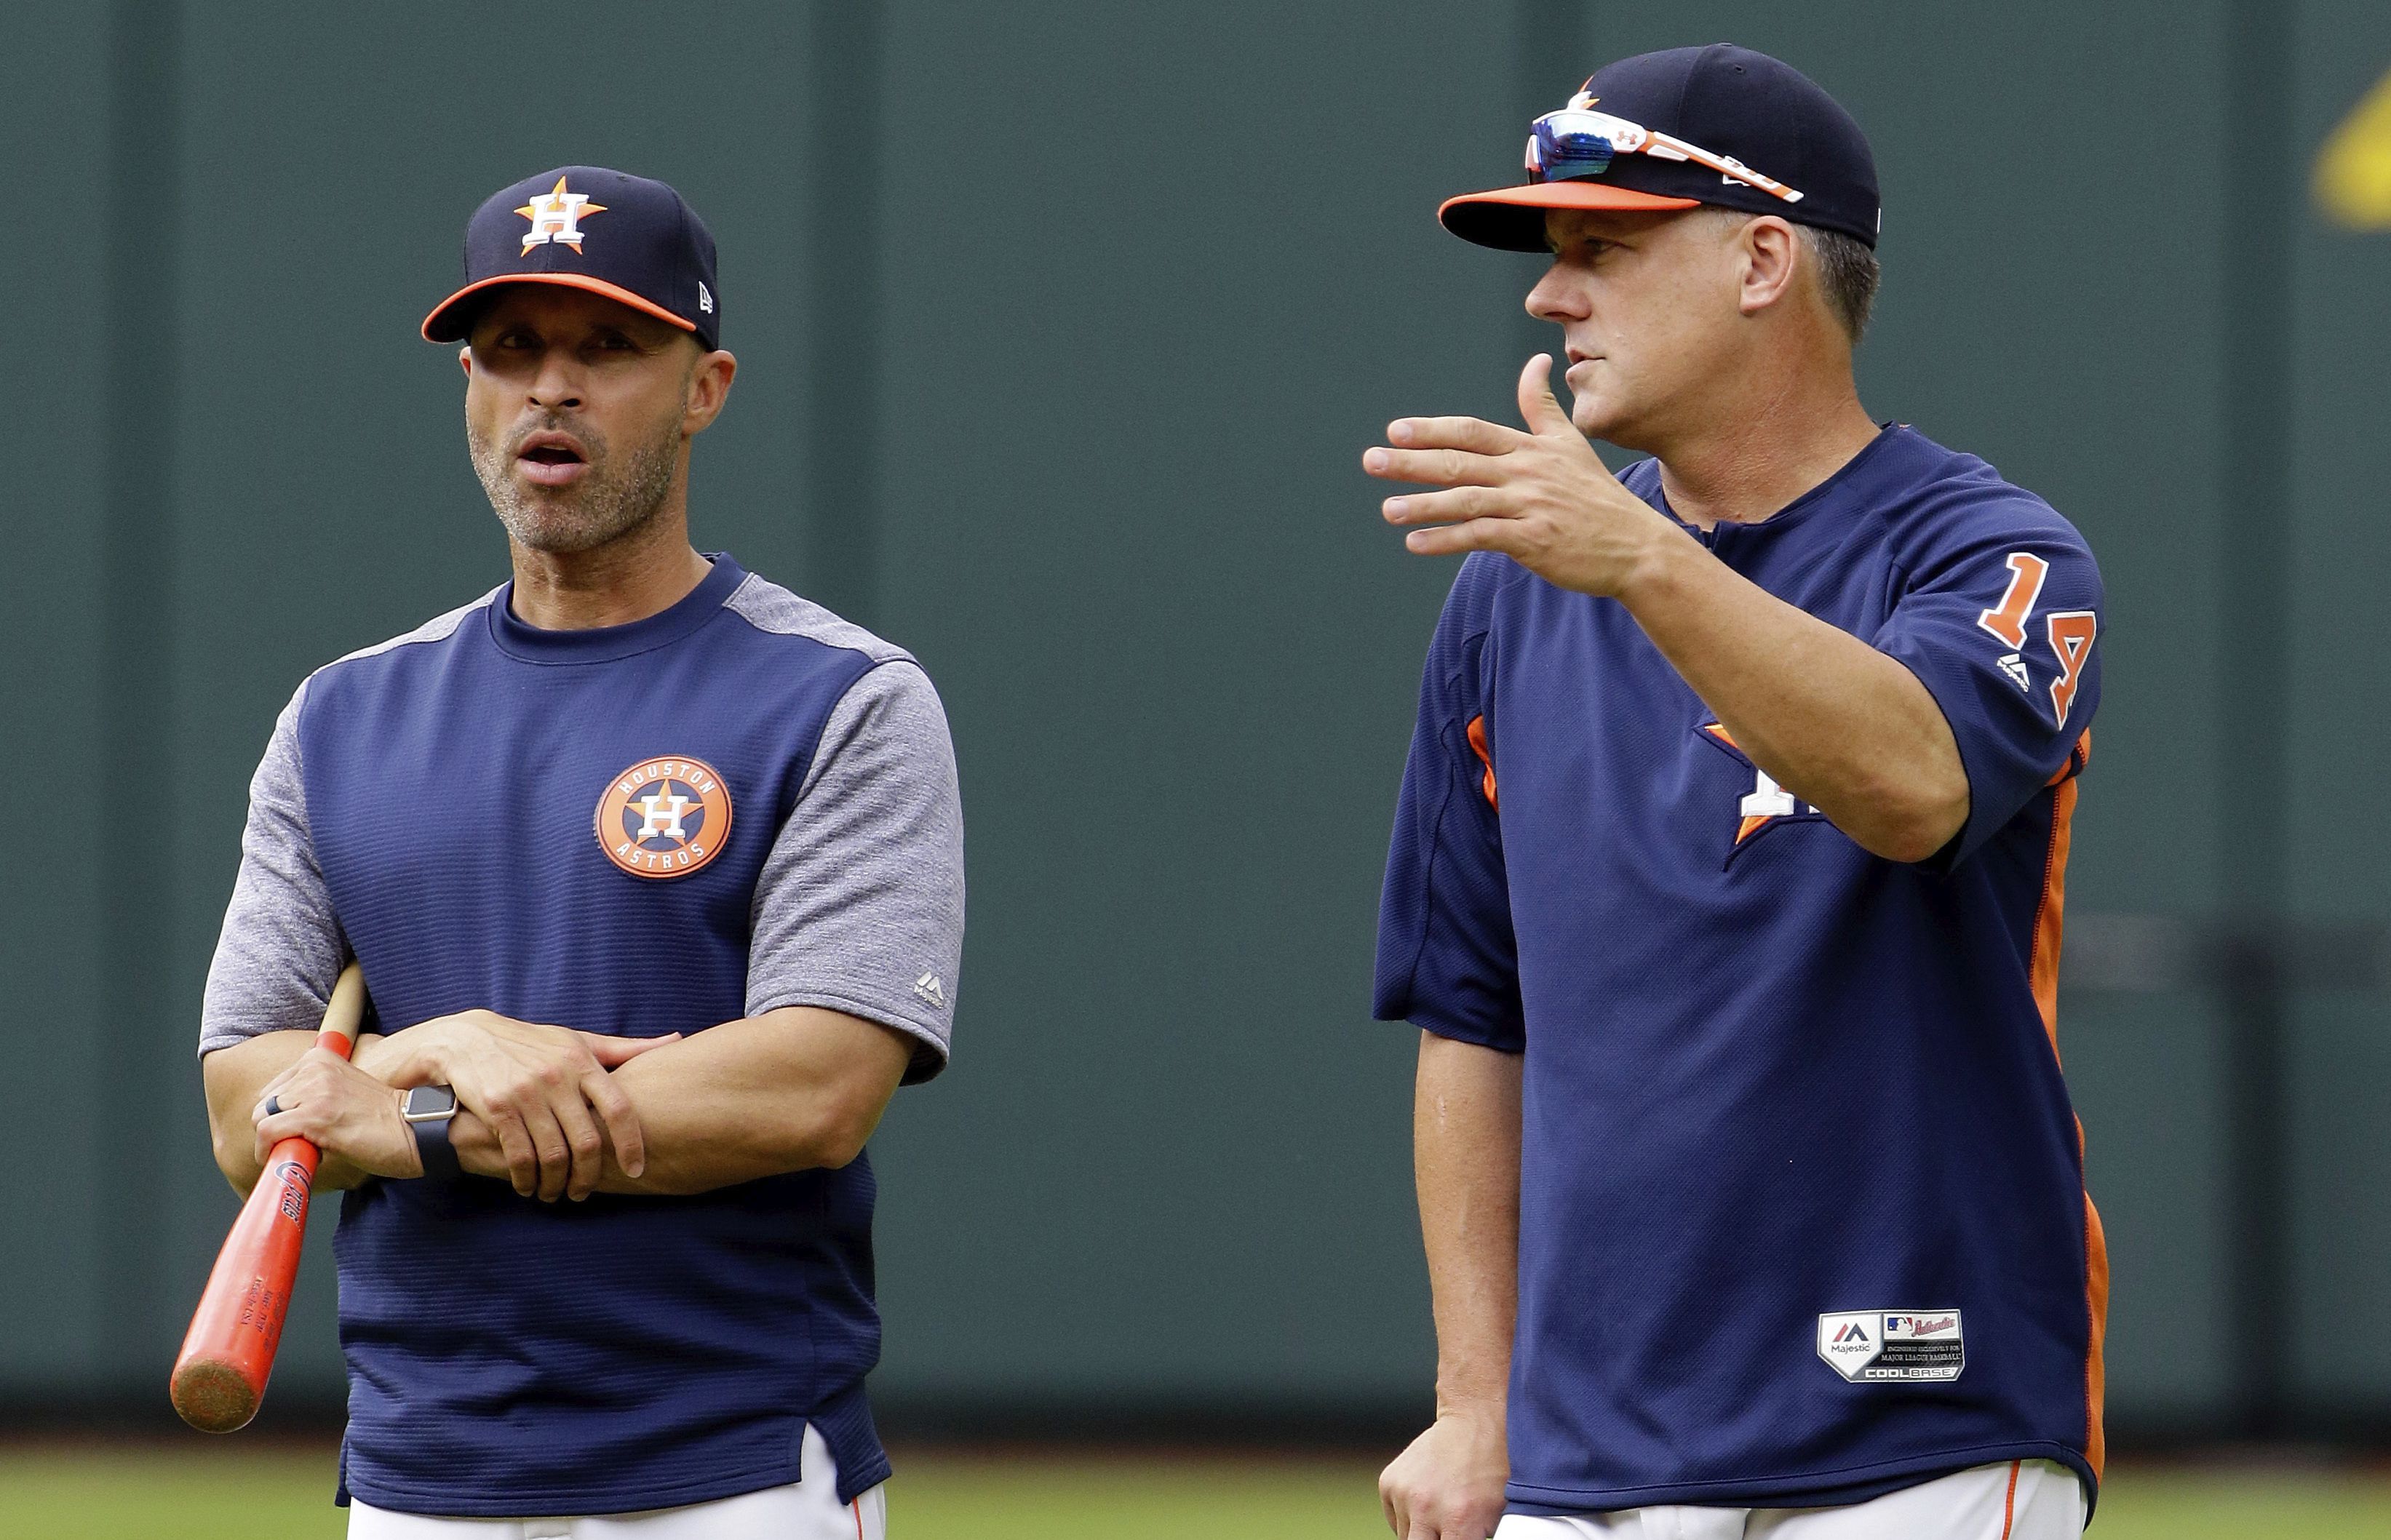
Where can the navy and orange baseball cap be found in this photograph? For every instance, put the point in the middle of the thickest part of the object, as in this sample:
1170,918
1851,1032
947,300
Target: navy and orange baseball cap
1680,128
625,236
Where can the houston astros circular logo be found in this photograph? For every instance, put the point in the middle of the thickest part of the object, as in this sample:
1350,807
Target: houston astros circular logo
664,816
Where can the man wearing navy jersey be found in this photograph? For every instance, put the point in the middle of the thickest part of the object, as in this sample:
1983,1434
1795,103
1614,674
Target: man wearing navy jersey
1726,884
655,873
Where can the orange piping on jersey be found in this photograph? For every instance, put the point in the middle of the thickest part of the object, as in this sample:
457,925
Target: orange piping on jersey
2077,759
2050,919
2051,916
2096,1299
2044,972
2008,1503
1478,747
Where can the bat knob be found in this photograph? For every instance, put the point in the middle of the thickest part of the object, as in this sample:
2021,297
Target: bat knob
213,1396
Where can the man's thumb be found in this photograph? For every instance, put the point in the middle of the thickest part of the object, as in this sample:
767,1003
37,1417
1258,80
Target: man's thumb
1538,408
610,1050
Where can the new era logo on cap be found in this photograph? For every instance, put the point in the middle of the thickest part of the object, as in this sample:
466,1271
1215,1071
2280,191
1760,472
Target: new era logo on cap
632,240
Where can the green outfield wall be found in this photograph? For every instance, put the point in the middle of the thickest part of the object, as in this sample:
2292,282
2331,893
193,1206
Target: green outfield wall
1061,329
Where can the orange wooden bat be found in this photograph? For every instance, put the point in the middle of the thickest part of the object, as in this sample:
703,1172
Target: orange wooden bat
220,1375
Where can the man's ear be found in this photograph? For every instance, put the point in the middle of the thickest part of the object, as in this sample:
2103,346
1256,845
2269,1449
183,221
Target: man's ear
1772,253
709,385
465,359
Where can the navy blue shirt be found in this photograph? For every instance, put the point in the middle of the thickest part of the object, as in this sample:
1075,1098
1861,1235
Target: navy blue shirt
1803,1216
737,804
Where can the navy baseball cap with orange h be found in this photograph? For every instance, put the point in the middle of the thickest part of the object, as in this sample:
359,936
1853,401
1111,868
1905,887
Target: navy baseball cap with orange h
633,240
1719,125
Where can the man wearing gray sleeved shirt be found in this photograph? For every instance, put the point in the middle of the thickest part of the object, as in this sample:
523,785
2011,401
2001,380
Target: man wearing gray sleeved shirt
684,1012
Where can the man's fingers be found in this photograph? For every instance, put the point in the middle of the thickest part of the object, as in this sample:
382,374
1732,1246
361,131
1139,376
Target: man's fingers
514,1143
273,1130
1448,468
609,1051
1475,434
622,1121
554,1149
1538,408
1477,534
585,1148
1448,507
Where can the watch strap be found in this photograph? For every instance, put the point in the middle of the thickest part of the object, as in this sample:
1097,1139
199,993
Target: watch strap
432,1145
439,1156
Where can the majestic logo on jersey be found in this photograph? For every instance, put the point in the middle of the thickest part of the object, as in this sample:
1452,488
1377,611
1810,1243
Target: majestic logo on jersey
557,217
1879,1345
666,816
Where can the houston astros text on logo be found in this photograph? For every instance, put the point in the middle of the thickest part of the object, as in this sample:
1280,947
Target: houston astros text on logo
664,817
557,217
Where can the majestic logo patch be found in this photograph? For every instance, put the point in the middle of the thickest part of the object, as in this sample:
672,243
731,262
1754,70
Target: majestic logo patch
557,217
666,816
1866,1346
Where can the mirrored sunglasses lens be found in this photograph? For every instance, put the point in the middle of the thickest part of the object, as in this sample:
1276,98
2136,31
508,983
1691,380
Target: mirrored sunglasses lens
1566,152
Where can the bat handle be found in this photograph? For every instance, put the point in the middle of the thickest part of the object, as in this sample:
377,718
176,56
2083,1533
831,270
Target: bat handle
297,1152
343,1013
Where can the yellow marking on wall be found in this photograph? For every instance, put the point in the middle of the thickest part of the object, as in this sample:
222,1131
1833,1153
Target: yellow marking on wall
2353,173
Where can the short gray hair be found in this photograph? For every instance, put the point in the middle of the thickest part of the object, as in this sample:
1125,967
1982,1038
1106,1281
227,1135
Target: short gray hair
1847,275
1846,268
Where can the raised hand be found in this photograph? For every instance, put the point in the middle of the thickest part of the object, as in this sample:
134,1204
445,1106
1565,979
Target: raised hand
1540,496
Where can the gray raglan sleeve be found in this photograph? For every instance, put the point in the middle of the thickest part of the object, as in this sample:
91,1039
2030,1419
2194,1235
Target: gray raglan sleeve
860,905
282,949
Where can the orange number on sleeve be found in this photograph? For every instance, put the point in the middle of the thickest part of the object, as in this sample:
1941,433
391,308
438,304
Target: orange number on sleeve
2071,637
2007,619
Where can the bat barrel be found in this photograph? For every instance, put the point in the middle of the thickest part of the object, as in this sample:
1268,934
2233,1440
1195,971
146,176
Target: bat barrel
228,1353
213,1394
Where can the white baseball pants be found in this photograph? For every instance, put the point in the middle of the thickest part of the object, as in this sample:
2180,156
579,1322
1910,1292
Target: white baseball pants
809,1509
2018,1500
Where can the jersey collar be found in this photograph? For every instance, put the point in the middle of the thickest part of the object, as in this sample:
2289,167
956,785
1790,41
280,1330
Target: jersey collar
1848,489
605,643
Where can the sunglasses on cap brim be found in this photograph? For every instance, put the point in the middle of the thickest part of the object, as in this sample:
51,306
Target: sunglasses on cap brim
1578,141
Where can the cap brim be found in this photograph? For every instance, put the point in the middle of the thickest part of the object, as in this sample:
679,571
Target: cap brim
1512,219
450,320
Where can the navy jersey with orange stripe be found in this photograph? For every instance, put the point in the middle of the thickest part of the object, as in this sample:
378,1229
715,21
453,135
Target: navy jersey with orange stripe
1803,1216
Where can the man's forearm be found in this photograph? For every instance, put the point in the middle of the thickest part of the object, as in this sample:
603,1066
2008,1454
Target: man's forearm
1466,1156
1829,718
792,1090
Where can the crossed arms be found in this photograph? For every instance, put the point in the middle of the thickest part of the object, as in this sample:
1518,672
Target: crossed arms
565,1113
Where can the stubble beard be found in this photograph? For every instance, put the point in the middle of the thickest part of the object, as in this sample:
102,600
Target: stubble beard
615,497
